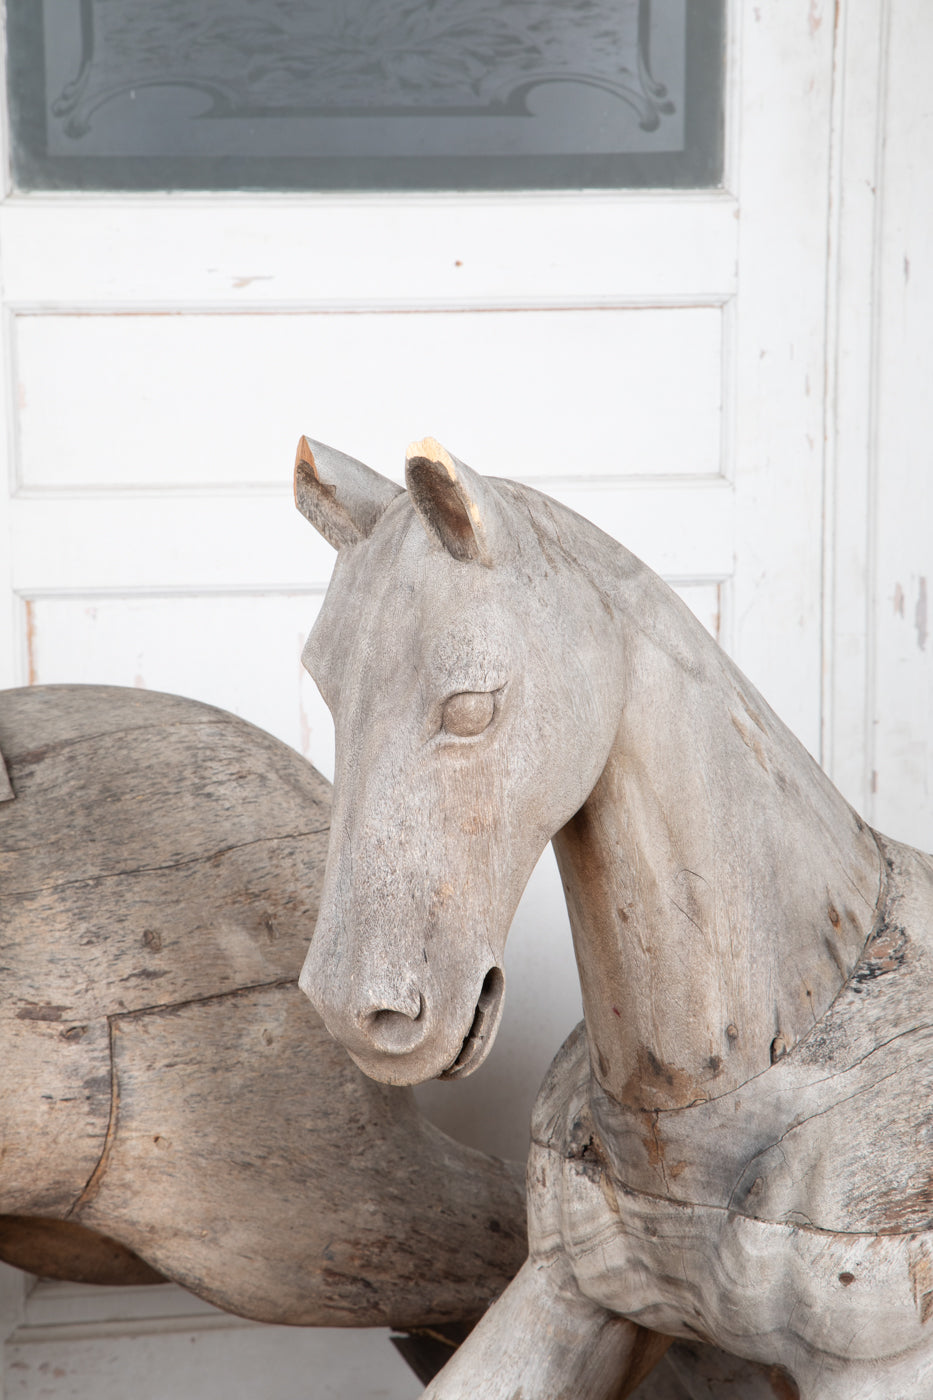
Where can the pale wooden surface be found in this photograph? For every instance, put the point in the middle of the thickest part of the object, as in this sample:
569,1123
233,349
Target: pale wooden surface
734,1146
164,1083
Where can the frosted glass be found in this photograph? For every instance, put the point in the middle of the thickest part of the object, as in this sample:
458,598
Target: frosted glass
378,94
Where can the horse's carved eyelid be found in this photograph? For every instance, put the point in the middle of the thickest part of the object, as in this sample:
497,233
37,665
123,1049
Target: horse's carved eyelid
472,716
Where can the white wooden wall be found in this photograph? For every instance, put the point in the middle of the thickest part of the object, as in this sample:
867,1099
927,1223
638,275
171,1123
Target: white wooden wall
734,383
878,652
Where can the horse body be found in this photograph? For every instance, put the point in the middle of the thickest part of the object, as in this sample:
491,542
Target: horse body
170,1106
737,1145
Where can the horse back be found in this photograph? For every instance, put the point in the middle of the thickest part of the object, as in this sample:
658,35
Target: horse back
153,852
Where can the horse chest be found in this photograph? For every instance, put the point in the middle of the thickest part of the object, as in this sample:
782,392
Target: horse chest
766,1291
803,1234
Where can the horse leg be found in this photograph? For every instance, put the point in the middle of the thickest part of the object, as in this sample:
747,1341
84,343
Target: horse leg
543,1340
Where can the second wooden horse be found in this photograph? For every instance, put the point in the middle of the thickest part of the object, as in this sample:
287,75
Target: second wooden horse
170,1105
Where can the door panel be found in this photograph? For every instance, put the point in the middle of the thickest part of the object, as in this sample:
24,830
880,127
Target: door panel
219,400
900,765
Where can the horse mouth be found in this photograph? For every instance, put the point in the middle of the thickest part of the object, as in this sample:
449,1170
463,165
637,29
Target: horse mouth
482,1028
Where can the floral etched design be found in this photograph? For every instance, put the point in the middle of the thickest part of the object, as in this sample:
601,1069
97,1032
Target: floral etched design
339,57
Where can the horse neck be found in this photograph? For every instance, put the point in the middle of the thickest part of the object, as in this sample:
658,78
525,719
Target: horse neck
720,889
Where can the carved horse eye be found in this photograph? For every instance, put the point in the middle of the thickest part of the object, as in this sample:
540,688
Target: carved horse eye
468,713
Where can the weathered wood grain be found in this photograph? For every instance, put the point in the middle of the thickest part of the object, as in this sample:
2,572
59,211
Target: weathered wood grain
165,1088
545,1339
737,1144
350,1191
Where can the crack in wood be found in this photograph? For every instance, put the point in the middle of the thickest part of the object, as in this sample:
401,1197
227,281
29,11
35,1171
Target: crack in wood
95,1180
809,1118
172,865
57,745
684,1204
229,995
880,920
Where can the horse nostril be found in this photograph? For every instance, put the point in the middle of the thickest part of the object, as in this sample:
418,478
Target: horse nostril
396,1032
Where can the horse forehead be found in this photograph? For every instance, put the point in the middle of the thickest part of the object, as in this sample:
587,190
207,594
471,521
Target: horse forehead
365,588
399,601
400,579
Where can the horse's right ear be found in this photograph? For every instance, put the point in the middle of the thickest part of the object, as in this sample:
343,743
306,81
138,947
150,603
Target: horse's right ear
341,497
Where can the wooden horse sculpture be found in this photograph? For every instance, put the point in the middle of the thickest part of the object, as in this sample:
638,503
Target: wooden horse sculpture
737,1144
170,1106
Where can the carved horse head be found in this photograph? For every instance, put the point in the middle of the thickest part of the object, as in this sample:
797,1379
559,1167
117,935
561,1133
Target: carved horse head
502,673
456,654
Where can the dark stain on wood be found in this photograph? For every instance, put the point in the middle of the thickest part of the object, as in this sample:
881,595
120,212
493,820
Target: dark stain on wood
885,952
653,1084
783,1384
6,787
36,1011
921,1279
583,1148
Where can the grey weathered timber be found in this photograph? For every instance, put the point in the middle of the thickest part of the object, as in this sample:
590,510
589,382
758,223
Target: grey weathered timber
737,1143
170,1105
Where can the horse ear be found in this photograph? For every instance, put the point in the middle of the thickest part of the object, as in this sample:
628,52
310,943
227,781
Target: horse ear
341,497
456,505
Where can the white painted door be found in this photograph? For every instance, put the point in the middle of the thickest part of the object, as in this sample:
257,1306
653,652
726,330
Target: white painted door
656,359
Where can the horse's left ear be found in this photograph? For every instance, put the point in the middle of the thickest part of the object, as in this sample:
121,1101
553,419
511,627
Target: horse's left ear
341,497
457,506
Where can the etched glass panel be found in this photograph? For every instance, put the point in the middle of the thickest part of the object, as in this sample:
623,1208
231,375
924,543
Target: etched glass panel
365,94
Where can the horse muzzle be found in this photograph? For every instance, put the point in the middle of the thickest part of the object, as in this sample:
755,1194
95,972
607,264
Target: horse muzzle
401,1033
